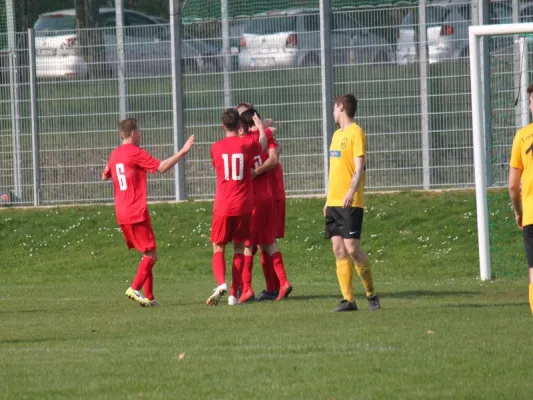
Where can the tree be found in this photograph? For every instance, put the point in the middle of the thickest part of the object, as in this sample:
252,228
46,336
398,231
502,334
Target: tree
90,38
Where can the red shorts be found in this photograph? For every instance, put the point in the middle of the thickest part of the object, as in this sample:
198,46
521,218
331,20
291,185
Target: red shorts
279,215
263,224
140,236
230,229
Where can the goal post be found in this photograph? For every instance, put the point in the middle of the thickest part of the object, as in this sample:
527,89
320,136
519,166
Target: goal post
478,127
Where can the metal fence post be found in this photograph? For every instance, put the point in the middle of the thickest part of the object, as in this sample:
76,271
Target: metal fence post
480,11
177,96
524,74
326,71
122,89
424,98
35,148
226,64
15,100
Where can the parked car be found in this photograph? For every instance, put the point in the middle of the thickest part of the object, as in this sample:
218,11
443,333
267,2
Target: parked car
146,46
291,38
447,25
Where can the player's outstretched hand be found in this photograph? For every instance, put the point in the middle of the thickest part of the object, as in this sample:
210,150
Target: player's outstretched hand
257,121
188,144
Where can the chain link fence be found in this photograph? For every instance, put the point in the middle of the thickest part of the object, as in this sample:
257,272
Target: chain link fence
413,88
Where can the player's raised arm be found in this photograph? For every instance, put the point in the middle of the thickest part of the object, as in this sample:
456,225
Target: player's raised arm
268,123
262,134
173,160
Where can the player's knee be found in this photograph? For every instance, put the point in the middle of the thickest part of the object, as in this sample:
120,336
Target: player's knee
269,249
152,254
238,248
340,252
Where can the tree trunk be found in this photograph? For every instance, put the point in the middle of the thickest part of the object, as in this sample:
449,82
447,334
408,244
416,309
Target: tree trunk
90,38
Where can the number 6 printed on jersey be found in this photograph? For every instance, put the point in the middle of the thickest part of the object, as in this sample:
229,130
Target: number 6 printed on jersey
121,177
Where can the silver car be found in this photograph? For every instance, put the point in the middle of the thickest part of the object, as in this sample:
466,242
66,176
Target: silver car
291,38
447,25
146,46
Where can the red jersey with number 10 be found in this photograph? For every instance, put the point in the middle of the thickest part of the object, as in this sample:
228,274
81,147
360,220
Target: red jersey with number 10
233,159
127,167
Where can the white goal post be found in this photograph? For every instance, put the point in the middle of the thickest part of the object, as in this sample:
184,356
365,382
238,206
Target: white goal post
478,126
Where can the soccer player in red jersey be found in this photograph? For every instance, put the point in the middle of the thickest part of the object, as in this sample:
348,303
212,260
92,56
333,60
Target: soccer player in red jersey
263,225
233,159
127,167
274,172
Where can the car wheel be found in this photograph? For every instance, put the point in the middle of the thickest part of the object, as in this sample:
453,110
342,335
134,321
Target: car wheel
211,64
312,60
189,66
381,57
465,53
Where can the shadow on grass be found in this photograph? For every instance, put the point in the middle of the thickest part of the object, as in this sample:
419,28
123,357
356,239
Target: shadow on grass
28,341
412,294
488,305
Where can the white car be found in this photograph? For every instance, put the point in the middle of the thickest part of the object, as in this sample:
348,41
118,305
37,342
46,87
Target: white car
146,46
447,25
291,38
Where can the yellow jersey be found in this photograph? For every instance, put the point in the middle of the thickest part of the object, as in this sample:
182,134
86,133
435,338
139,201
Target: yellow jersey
346,145
522,158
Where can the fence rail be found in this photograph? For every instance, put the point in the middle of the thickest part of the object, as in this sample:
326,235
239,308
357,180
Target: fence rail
416,113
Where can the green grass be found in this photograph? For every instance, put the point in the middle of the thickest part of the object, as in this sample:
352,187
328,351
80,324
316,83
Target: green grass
69,332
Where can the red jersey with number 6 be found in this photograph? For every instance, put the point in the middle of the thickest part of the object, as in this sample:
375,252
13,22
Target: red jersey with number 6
233,159
127,167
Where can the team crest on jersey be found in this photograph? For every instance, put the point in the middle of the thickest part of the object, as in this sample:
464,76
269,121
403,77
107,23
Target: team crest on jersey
344,143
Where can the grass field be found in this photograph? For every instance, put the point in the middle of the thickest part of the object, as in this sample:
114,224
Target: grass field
68,331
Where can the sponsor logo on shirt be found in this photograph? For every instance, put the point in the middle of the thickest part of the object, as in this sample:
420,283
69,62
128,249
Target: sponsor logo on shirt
334,153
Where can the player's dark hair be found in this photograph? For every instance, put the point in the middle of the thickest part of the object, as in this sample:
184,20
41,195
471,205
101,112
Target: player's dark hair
530,89
349,102
248,116
243,124
244,105
127,126
230,119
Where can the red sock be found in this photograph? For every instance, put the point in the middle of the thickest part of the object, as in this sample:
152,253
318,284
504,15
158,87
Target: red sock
268,272
273,277
219,267
149,286
236,273
247,273
277,260
144,269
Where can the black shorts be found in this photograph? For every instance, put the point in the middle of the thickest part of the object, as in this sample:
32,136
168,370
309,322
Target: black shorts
527,232
344,222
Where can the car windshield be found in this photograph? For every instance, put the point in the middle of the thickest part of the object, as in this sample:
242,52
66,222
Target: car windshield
268,26
435,15
50,25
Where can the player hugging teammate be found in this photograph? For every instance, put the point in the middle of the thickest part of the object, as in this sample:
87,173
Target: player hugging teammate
244,210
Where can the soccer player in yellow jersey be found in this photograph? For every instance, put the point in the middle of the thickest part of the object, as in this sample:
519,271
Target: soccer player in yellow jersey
345,203
521,171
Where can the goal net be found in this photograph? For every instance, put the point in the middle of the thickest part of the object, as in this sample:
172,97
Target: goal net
499,80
